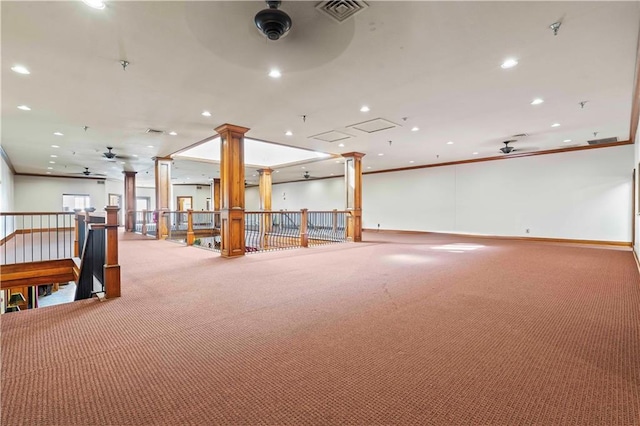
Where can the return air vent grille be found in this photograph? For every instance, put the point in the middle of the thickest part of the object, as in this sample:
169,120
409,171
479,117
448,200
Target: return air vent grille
332,136
154,131
375,125
601,141
341,10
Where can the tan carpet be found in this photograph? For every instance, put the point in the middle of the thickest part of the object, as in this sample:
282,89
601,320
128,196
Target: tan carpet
402,329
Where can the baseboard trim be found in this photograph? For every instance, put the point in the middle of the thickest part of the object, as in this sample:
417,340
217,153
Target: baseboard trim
635,256
503,237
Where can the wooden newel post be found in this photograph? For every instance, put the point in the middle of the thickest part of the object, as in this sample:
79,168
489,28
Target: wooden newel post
190,235
144,222
232,190
350,230
353,185
111,266
76,241
304,228
163,226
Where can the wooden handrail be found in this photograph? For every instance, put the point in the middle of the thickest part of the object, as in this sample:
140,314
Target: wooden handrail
33,213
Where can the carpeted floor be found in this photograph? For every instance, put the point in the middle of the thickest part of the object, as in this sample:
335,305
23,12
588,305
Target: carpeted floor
400,329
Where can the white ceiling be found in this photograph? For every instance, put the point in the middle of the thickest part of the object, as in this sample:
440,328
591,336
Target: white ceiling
432,65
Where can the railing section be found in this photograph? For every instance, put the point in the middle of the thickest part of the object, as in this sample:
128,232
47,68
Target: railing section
174,225
326,227
265,231
145,222
31,237
205,230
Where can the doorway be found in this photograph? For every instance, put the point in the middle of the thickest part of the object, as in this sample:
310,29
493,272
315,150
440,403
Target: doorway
184,204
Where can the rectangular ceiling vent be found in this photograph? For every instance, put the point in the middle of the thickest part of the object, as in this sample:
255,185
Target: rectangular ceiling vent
374,125
341,10
331,136
601,141
154,131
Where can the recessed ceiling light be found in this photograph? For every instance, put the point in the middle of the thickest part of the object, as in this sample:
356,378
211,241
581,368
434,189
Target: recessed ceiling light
20,69
368,167
288,133
341,145
337,161
567,140
58,134
277,171
450,143
537,101
411,162
206,113
555,125
303,167
188,178
509,63
48,173
123,162
24,108
49,168
55,146
96,4
149,146
475,153
275,73
415,129
173,133
52,162
364,108
53,156
380,154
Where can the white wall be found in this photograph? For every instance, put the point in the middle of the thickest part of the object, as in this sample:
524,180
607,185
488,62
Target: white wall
44,194
323,194
147,192
199,196
6,187
573,195
636,164
252,198
6,197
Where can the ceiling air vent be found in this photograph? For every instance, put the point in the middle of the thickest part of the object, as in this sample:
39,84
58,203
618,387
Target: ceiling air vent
331,136
154,131
520,135
374,125
341,10
601,141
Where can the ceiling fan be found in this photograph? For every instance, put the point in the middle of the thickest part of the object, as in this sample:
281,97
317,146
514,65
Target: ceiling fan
87,172
110,155
272,22
509,149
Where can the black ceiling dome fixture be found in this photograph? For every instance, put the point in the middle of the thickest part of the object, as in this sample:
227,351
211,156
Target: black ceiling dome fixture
272,22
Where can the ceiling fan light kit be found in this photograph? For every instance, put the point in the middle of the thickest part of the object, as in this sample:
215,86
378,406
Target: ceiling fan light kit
273,22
